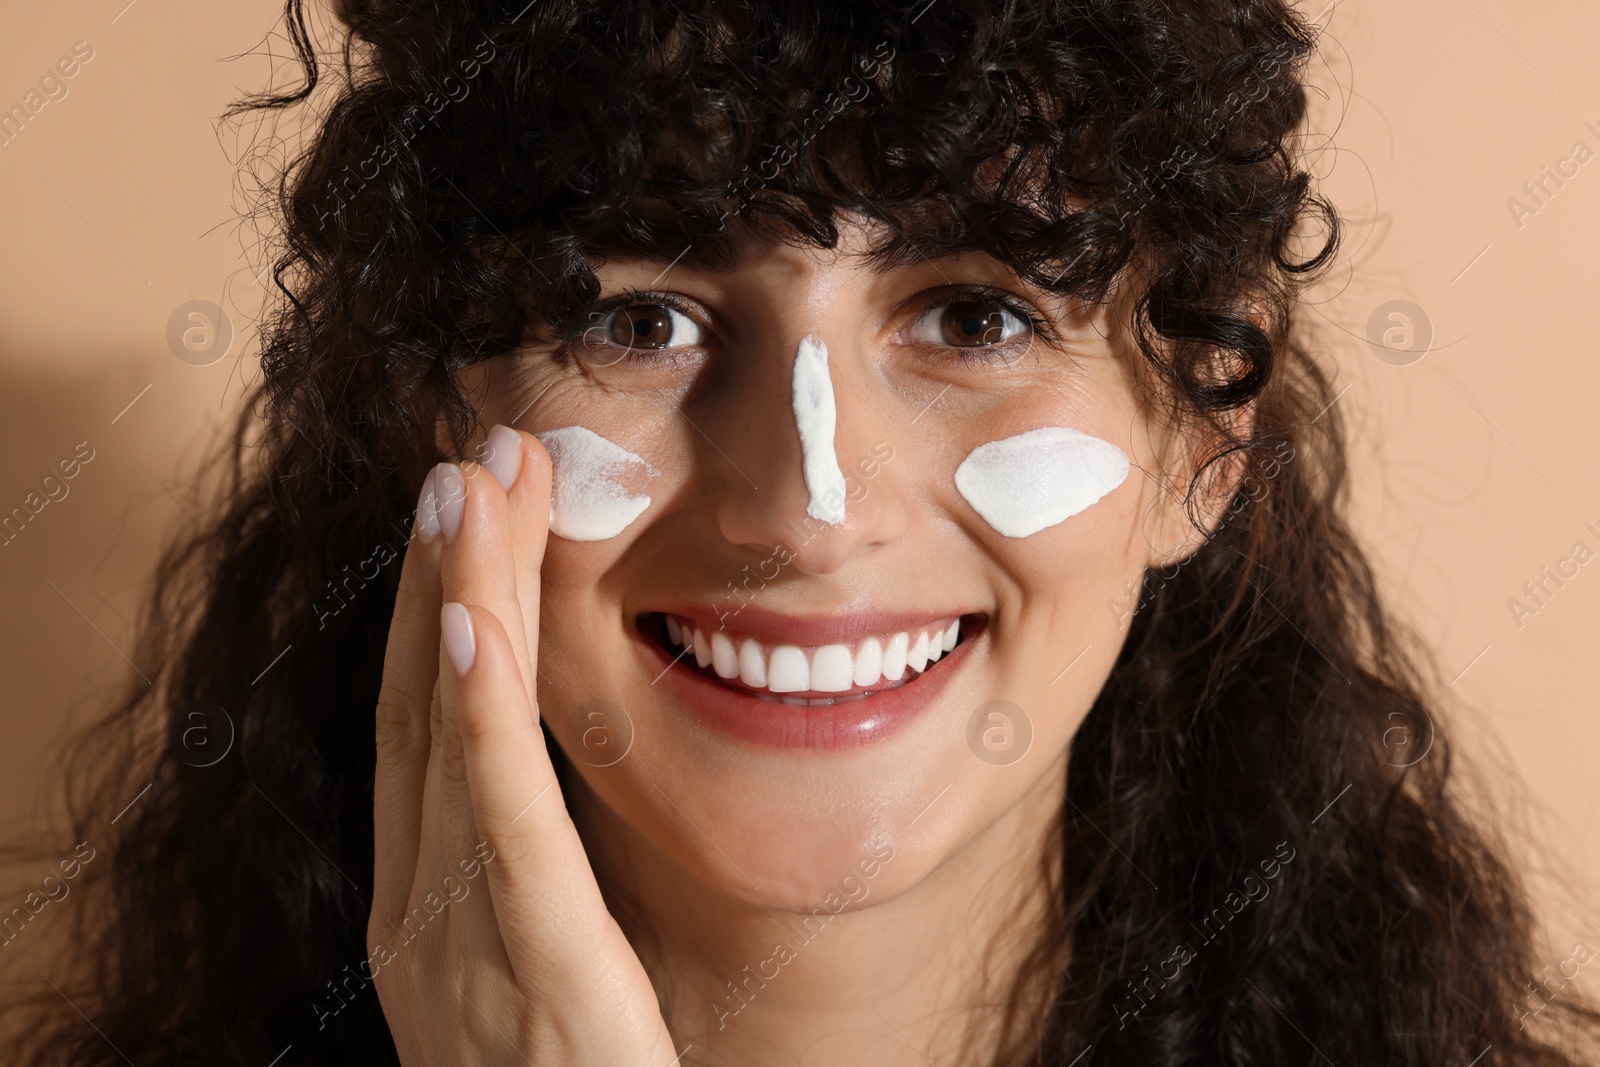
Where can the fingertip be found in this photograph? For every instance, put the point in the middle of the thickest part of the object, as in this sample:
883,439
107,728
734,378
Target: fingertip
535,456
418,592
504,455
535,482
450,484
459,636
426,522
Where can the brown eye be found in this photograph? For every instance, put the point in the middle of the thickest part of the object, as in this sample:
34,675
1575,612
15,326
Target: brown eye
968,323
653,326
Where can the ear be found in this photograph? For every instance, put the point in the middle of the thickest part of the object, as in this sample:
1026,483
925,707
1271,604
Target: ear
1198,473
1200,468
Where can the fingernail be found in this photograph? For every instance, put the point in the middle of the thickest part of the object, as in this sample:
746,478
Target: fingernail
460,644
452,499
504,460
427,522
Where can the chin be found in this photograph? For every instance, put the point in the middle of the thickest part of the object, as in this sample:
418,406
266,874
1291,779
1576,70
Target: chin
829,790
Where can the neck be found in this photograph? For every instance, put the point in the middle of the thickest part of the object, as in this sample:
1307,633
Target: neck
927,975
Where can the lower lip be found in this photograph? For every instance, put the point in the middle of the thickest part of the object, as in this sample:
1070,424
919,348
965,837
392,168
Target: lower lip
825,727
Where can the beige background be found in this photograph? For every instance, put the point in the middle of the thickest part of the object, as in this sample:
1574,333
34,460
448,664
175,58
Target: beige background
1476,465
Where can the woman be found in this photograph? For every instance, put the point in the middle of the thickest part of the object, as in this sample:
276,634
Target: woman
873,444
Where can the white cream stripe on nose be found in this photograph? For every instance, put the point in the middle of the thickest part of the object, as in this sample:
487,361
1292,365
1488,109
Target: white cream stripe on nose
816,416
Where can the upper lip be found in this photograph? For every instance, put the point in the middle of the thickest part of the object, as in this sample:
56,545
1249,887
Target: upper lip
836,627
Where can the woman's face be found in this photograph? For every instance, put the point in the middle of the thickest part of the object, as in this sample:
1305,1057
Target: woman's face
722,771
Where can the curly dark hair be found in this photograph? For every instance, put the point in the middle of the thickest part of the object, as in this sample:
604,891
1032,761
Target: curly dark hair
473,159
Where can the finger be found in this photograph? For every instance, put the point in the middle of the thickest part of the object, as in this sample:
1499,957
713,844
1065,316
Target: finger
547,903
449,873
410,669
447,832
479,563
476,566
519,460
494,515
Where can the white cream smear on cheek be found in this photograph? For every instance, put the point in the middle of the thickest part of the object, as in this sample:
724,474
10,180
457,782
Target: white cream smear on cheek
589,500
1030,482
817,416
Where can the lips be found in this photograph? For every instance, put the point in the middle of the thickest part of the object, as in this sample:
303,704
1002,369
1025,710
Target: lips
770,688
877,661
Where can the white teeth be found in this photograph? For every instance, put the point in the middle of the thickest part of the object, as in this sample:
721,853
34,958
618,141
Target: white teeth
869,662
894,658
788,671
724,660
752,665
835,668
917,657
832,670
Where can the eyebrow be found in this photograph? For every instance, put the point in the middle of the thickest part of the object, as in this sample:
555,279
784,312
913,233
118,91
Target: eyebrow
714,255
719,254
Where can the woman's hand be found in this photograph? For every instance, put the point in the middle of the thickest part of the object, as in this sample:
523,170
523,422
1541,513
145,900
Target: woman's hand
526,966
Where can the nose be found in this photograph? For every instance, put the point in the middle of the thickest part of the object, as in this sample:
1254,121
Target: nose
788,487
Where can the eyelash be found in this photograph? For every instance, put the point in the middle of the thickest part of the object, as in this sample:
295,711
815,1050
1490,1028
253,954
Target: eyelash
626,298
1003,351
1037,325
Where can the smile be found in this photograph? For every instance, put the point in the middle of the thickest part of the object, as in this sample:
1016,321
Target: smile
823,682
815,674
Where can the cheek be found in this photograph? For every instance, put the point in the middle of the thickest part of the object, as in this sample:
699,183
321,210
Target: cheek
594,495
1059,632
1063,577
1058,511
1036,480
615,457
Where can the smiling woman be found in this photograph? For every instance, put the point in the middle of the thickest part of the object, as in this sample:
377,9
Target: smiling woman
764,504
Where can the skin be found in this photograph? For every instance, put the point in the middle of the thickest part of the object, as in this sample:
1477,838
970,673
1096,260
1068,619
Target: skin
708,847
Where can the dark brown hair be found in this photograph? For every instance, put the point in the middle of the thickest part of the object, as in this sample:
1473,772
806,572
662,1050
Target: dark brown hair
1249,871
